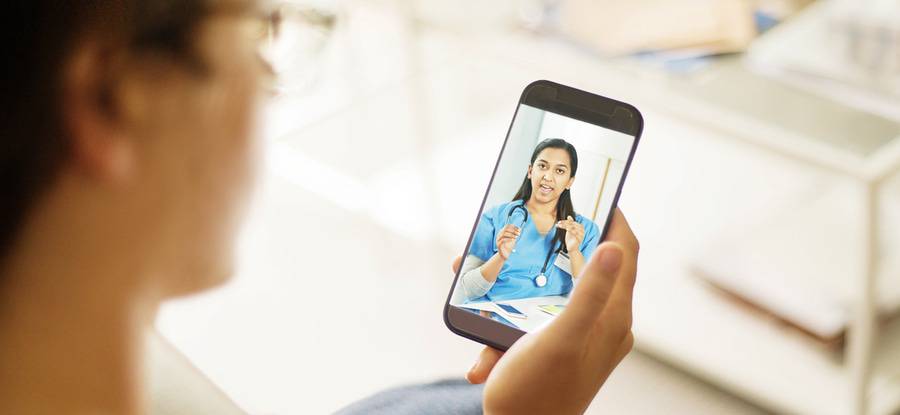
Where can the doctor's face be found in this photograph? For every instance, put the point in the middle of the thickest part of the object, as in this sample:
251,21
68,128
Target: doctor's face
550,174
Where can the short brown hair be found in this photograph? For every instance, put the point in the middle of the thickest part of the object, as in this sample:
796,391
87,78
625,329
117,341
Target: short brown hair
40,36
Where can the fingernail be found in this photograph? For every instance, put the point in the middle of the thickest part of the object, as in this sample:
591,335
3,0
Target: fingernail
610,258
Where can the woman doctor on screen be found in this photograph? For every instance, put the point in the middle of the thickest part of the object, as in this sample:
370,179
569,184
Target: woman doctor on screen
514,254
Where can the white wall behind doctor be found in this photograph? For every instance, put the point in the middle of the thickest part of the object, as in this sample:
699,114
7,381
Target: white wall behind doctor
602,155
523,136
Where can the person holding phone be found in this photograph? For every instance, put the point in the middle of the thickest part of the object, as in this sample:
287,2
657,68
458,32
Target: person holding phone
534,245
126,161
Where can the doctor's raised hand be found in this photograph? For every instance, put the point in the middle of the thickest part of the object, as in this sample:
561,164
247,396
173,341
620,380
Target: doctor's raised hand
574,234
559,368
506,240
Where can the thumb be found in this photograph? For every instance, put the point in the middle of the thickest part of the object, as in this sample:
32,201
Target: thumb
594,286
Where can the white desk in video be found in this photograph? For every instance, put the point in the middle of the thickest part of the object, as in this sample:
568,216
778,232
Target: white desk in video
534,316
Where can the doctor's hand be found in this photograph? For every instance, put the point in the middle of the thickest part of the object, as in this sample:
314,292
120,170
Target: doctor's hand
559,368
506,240
574,233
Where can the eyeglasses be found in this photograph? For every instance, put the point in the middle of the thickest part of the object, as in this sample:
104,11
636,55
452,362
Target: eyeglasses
291,39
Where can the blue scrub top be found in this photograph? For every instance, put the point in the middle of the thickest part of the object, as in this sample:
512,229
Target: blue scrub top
516,278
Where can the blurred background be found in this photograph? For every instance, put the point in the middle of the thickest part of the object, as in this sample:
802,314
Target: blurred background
764,193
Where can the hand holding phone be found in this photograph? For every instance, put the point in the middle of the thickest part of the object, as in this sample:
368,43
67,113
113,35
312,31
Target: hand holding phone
582,346
559,366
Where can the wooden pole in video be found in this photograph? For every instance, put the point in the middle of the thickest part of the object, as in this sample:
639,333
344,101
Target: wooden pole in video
600,192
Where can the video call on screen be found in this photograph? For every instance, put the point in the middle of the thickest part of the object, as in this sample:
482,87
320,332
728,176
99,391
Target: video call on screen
542,219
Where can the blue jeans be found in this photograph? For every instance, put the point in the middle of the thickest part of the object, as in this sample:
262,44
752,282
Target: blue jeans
451,396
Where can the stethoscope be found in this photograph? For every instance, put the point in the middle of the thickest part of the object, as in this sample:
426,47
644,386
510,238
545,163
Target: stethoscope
539,280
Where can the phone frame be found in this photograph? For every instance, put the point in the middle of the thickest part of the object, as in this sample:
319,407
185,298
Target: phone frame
568,102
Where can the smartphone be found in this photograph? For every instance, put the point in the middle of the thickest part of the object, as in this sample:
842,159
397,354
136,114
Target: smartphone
561,169
512,311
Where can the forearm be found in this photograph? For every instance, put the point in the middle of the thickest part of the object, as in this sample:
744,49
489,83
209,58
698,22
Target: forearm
473,284
472,280
577,261
491,269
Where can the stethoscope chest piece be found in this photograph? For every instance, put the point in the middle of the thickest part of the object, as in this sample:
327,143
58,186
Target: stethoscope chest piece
540,280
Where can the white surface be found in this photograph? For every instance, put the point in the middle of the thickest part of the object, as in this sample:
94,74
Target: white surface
810,281
840,50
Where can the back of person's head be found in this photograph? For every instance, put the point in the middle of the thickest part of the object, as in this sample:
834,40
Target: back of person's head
41,36
127,108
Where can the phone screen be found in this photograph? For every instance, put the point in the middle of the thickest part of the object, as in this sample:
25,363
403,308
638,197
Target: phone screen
544,215
510,309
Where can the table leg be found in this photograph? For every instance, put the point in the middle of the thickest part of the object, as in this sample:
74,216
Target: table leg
862,331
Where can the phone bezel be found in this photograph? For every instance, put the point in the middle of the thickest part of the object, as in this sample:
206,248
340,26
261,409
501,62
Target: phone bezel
569,102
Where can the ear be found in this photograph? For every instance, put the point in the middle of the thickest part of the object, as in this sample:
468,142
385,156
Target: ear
99,146
570,183
529,172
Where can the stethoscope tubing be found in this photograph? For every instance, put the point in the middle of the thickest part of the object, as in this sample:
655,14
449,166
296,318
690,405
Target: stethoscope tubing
549,253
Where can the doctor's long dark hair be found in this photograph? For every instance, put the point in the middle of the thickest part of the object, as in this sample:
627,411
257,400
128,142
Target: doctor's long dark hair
564,206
